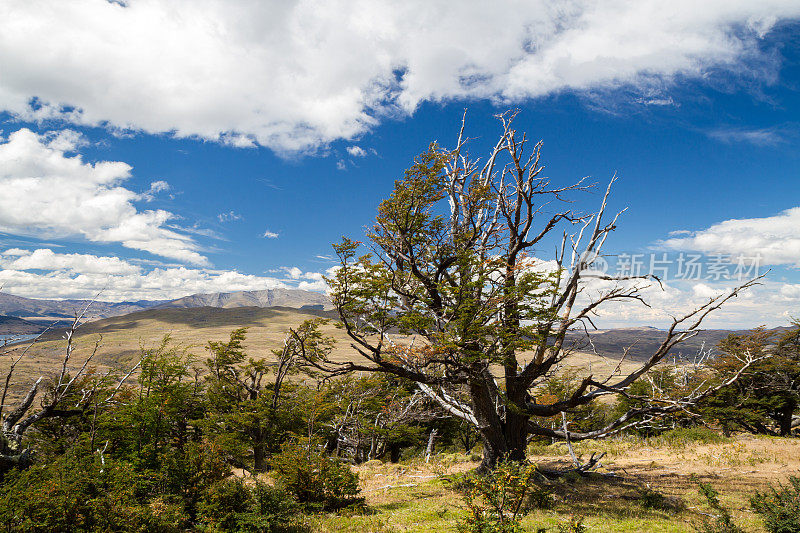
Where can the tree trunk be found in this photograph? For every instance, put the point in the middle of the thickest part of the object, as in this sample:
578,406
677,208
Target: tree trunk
516,433
785,419
394,453
431,444
259,457
502,439
506,443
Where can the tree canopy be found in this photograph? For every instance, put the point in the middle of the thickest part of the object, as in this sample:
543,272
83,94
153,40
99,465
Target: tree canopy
448,292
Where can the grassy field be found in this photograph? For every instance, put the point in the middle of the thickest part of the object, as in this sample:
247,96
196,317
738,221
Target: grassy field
121,339
414,496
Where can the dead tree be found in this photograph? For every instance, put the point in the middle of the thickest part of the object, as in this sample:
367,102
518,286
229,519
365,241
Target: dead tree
450,264
62,401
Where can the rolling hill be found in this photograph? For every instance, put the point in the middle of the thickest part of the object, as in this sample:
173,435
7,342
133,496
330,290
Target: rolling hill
45,312
122,337
190,328
643,341
11,325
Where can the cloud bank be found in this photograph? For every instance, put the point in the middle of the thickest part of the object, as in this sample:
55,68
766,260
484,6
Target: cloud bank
43,273
294,75
775,239
48,193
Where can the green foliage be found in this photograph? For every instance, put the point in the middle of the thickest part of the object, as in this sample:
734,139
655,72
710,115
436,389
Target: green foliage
659,383
372,416
252,408
243,415
81,494
573,524
318,481
779,507
590,416
159,413
233,505
723,521
497,500
765,397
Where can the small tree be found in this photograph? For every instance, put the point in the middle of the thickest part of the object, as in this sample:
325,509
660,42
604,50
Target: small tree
450,264
376,415
70,393
245,400
766,396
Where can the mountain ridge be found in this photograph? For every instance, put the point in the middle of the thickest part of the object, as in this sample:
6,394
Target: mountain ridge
44,311
280,297
641,342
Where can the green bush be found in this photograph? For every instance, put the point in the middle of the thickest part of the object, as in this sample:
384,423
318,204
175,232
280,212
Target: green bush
497,500
681,437
318,481
779,507
652,499
540,498
80,494
232,505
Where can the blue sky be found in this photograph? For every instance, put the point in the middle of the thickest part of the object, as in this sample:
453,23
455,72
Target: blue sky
154,149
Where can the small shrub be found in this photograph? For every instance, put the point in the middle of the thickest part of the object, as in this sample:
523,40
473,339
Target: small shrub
651,499
497,500
223,502
682,437
573,524
723,521
231,505
779,507
318,481
540,498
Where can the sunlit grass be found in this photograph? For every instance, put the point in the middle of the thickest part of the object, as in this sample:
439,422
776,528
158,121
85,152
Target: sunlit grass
414,496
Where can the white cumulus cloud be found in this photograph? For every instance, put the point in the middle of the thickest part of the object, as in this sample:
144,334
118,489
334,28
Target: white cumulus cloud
43,273
46,259
294,74
774,240
46,192
356,151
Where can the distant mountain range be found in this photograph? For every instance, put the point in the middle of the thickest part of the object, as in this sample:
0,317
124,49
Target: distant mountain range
641,342
20,315
44,310
33,315
269,298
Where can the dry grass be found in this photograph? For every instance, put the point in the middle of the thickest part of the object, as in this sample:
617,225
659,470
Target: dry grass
413,496
123,337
